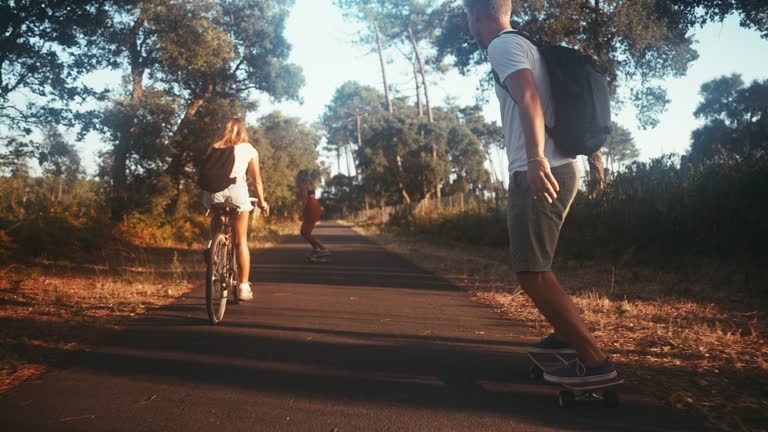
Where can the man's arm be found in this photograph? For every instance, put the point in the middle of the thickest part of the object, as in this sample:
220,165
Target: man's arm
522,87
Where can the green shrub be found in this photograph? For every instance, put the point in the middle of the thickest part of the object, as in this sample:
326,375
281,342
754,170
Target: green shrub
657,209
59,235
152,230
651,211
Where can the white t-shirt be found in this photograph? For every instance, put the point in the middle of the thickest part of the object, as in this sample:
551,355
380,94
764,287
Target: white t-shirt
510,53
244,152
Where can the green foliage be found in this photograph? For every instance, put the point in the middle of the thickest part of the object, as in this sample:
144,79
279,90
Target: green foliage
656,209
342,195
45,49
285,145
484,228
641,42
153,230
59,235
59,158
147,152
23,195
205,61
352,102
753,13
620,148
654,212
737,120
396,159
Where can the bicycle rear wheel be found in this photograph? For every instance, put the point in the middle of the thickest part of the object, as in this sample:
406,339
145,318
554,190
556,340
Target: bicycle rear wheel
235,275
217,279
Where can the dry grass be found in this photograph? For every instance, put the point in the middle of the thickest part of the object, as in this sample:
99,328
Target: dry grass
708,357
49,307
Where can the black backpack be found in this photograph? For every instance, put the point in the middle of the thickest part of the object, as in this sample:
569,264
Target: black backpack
580,94
215,168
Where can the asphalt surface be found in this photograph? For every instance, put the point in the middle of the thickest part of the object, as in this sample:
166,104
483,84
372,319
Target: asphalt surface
367,342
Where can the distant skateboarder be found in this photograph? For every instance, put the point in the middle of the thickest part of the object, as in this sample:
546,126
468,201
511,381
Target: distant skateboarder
310,214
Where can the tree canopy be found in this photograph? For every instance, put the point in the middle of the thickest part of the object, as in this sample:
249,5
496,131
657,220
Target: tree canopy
736,116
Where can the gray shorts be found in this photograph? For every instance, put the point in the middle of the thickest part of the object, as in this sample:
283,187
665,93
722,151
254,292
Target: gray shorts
534,225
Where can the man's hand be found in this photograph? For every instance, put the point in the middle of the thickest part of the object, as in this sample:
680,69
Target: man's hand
542,182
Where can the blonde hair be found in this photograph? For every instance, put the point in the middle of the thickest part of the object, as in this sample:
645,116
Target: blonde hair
233,133
303,177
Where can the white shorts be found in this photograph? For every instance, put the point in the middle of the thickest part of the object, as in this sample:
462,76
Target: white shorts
236,194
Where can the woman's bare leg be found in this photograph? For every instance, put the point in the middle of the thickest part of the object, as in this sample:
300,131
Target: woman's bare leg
243,253
306,232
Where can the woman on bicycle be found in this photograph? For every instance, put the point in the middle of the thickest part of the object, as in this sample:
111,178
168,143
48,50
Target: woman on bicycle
246,164
310,212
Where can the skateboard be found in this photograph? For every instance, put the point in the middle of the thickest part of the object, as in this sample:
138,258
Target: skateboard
573,393
313,259
600,391
543,362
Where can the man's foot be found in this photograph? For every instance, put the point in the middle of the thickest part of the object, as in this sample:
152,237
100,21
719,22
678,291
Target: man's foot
578,373
244,292
321,253
551,345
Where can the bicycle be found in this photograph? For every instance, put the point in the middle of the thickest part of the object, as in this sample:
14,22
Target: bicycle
221,273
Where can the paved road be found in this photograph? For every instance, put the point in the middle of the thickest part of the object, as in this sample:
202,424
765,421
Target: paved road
368,342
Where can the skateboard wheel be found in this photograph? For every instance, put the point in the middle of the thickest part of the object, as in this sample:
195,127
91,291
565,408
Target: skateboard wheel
535,373
611,399
566,399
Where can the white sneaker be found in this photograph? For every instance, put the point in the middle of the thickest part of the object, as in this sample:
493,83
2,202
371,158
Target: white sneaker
244,292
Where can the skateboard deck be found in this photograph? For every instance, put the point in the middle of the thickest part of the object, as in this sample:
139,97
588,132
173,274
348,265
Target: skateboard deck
323,259
594,385
599,391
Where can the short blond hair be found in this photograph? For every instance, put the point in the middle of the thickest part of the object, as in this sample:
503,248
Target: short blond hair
499,9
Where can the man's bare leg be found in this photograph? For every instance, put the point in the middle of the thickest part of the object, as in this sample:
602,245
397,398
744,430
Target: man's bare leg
558,308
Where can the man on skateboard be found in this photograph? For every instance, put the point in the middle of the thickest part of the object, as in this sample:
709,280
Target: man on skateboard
542,185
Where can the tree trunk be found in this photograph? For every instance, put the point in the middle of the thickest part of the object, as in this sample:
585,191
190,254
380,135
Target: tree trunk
61,188
390,109
423,72
596,173
403,192
119,198
347,153
182,150
419,105
359,125
430,117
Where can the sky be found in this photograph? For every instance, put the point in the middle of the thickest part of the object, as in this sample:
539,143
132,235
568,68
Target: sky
322,44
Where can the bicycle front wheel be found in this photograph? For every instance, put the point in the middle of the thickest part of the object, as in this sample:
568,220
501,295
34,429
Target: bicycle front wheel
217,279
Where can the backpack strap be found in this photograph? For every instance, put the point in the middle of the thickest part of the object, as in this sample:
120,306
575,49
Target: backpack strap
537,42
